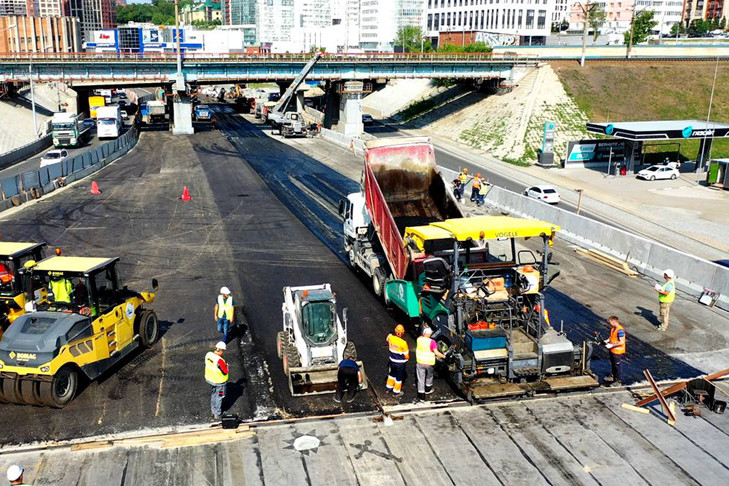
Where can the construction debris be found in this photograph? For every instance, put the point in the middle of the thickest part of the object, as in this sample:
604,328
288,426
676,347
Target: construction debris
607,260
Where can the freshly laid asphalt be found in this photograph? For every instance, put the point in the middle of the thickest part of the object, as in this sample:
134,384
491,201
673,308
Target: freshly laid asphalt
263,216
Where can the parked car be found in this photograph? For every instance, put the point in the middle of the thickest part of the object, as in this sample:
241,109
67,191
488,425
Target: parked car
658,172
89,123
547,194
53,157
367,119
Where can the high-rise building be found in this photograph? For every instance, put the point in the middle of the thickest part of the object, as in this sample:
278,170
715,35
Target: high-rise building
39,34
274,20
93,14
14,7
50,8
705,10
380,21
242,12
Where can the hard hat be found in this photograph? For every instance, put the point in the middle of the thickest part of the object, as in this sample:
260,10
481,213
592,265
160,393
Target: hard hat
221,345
482,235
427,331
669,273
5,275
15,472
29,264
399,330
465,171
225,290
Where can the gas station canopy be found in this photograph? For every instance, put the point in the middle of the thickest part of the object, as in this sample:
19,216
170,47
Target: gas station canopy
660,130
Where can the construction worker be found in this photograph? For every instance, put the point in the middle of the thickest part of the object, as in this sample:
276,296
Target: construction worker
399,356
349,377
15,475
463,177
482,194
216,374
224,312
61,288
475,187
457,189
666,295
616,346
425,354
6,277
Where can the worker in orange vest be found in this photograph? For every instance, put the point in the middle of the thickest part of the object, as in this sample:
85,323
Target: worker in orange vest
399,352
616,345
476,187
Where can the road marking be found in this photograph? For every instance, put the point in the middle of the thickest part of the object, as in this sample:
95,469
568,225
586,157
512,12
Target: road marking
161,378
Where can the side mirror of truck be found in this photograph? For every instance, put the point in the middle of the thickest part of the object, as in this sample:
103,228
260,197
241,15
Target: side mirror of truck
342,207
155,284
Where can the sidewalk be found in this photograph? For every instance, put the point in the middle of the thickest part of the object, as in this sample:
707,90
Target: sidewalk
679,213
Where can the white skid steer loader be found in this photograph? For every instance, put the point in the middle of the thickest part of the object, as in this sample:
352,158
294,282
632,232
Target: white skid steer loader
313,340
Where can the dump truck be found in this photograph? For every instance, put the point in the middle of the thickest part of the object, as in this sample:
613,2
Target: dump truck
313,340
477,282
68,130
16,290
153,111
87,323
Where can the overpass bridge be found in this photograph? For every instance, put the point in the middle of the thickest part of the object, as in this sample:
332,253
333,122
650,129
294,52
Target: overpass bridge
153,68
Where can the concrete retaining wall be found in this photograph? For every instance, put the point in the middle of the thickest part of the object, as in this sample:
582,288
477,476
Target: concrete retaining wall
647,257
24,152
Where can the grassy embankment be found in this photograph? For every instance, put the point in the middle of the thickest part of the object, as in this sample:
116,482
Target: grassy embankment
659,91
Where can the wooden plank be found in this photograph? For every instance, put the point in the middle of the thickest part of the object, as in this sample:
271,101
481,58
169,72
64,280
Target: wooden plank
369,452
552,460
717,375
720,386
588,448
694,461
459,457
506,459
650,462
668,391
330,464
571,382
664,404
628,406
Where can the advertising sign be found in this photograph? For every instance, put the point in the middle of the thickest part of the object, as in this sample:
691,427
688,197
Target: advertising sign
106,37
595,152
548,138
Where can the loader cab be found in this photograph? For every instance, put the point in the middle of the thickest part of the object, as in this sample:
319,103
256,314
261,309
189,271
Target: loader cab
317,315
16,290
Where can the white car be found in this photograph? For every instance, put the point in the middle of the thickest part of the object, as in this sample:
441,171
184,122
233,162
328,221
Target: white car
658,172
53,157
547,194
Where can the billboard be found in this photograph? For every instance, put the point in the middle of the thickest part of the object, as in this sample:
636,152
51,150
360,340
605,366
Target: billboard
595,152
104,38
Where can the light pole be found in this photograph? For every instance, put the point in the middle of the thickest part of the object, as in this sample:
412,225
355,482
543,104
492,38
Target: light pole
632,23
702,147
180,81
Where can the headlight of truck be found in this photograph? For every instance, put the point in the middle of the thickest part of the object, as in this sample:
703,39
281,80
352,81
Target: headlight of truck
45,368
73,140
362,230
55,141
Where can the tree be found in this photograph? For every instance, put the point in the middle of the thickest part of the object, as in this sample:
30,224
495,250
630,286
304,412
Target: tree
413,38
643,24
592,15
479,46
596,18
677,29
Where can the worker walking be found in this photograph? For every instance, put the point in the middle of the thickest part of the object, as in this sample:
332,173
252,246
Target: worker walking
475,188
349,377
15,475
666,295
224,312
216,374
425,354
616,346
483,190
399,355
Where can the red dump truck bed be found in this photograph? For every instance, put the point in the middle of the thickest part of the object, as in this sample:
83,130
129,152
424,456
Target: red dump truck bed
403,187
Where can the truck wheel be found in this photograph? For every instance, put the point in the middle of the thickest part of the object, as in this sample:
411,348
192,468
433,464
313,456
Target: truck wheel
282,339
293,359
2,395
350,350
148,328
378,282
30,393
11,391
61,390
351,257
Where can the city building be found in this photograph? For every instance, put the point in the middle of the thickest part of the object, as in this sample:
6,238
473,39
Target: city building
242,12
93,14
22,34
202,12
380,21
619,13
530,20
14,7
141,38
49,8
666,12
274,21
561,11
705,10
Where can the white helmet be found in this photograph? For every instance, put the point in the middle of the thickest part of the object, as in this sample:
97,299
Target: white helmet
221,345
15,472
225,290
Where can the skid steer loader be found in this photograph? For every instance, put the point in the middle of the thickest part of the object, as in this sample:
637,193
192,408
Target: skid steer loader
313,340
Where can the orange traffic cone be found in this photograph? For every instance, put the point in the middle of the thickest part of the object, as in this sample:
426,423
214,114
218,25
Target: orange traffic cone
186,195
95,188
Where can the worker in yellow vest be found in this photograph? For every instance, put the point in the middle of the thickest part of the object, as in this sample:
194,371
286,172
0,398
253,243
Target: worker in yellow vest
61,288
224,312
425,354
399,352
616,345
666,295
216,374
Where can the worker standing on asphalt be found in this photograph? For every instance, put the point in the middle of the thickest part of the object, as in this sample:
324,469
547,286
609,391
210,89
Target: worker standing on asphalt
216,374
616,346
475,188
15,475
399,355
666,295
482,194
224,312
349,377
425,354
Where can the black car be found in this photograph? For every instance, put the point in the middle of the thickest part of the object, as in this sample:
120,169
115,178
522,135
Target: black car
367,119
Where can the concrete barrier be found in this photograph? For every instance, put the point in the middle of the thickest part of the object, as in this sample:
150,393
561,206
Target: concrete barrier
21,153
693,274
352,143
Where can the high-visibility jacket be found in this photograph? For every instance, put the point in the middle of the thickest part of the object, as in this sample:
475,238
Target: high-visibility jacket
225,307
669,287
618,346
463,178
61,290
546,318
216,373
399,350
483,190
423,354
476,183
5,275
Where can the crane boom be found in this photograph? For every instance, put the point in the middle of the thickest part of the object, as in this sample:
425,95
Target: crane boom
283,103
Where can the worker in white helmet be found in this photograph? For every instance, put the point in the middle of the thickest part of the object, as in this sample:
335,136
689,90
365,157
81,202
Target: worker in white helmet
216,374
224,312
15,475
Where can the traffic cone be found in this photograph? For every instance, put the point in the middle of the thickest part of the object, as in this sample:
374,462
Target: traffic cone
186,195
95,188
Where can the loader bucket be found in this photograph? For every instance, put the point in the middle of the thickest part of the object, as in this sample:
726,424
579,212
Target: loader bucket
316,380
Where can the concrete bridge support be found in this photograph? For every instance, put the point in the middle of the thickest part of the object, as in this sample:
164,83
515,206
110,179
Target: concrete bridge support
182,118
350,115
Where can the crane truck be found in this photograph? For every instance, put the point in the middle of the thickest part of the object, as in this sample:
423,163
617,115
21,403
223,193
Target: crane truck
475,281
277,116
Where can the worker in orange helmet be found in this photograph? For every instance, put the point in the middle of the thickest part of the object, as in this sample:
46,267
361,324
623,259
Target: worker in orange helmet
399,352
476,187
6,276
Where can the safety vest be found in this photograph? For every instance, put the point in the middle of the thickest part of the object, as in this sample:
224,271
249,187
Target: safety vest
5,275
225,307
213,375
477,183
484,190
546,318
61,290
618,348
463,178
423,354
399,351
671,296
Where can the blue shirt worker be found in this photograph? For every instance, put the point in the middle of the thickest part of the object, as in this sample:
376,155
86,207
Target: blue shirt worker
666,295
216,374
399,353
224,312
349,378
